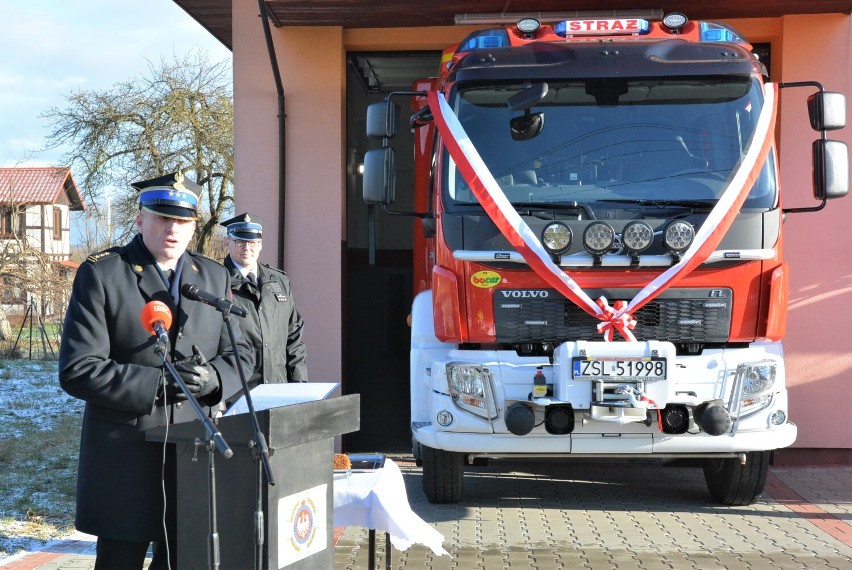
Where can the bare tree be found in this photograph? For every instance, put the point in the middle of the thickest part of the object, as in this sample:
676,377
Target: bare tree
179,117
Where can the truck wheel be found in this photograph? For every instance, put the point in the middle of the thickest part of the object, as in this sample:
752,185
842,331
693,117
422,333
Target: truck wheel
443,475
732,483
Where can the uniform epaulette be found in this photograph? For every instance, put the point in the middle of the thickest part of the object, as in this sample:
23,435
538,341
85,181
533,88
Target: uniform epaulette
275,269
101,255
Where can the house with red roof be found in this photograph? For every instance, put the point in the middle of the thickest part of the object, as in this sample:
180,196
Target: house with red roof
35,227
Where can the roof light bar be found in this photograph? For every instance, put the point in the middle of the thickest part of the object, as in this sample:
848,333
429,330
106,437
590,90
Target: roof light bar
606,27
511,18
485,39
717,32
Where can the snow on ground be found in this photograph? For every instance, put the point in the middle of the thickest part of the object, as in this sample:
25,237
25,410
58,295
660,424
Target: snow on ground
31,398
38,451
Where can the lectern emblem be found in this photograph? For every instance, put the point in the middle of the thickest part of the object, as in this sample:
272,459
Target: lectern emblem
303,523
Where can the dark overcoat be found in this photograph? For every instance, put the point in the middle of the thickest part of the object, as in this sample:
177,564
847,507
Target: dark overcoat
107,358
273,326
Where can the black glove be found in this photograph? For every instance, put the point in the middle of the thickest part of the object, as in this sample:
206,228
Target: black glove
200,380
173,391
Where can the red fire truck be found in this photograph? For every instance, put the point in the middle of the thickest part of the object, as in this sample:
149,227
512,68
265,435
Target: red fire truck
599,271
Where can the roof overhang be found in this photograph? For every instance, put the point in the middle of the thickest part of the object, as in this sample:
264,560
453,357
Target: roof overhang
215,15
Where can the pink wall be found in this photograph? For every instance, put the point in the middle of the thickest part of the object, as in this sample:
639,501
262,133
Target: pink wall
818,344
312,60
312,63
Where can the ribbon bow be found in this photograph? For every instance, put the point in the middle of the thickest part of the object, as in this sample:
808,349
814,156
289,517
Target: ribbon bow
615,319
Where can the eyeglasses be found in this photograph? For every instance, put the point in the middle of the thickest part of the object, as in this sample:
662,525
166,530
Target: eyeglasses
244,243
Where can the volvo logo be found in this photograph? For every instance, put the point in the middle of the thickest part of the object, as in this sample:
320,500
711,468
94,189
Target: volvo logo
525,294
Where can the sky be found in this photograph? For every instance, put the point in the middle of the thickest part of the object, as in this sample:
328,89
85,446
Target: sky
50,48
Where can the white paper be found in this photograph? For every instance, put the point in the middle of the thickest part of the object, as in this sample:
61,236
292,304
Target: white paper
266,396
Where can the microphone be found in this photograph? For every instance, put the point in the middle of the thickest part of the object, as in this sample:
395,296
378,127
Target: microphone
191,291
157,319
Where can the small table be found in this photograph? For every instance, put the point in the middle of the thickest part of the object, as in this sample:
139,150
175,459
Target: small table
376,499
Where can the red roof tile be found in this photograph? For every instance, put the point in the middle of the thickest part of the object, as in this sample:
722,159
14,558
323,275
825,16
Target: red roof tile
39,185
68,263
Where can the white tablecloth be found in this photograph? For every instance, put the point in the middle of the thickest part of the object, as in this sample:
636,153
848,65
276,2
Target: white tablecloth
377,500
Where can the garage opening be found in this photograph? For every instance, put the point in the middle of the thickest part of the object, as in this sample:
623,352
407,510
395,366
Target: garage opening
378,297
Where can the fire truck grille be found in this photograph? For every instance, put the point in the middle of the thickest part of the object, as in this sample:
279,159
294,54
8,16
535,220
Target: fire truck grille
677,315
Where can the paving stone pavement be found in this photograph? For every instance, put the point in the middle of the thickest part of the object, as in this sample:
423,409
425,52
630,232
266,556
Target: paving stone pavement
597,515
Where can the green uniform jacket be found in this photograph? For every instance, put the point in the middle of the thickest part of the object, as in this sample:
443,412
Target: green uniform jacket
273,326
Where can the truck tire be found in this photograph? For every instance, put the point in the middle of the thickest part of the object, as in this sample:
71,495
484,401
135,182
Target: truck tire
732,483
443,475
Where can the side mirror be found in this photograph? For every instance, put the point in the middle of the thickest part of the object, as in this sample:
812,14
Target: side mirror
379,178
831,169
382,119
827,111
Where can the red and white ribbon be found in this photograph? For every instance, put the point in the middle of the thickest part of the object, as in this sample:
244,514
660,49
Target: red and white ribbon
714,228
499,208
515,230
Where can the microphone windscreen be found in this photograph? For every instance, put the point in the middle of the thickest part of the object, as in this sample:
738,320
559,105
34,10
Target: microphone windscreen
190,291
154,311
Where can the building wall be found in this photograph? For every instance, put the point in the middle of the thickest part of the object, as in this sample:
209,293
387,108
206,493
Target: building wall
312,61
819,352
39,230
312,64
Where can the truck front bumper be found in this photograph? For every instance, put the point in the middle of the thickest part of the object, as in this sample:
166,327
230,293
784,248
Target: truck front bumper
607,444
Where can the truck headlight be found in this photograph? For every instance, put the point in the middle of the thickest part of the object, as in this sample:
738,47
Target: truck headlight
759,377
471,388
756,380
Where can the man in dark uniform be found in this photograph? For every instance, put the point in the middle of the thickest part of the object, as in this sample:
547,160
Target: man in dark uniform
108,359
273,326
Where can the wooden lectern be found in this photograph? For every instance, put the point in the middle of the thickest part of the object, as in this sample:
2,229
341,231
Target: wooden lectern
297,520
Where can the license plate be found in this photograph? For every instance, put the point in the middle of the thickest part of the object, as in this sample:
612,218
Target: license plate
644,368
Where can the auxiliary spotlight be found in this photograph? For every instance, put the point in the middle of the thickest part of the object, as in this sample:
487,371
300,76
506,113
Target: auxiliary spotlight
637,237
678,237
556,238
598,239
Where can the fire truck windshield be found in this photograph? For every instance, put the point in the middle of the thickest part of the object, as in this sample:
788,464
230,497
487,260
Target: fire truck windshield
643,141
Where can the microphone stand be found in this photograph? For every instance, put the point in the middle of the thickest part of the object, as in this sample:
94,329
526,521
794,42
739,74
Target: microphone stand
215,441
259,449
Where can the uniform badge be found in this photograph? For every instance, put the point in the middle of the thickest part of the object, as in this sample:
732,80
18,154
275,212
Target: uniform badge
280,297
95,257
138,268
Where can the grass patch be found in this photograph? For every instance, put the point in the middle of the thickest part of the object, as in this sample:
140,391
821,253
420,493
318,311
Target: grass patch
39,446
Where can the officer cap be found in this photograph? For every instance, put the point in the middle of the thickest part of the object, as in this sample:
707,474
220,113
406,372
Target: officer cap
171,195
243,228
